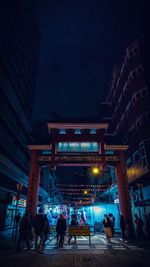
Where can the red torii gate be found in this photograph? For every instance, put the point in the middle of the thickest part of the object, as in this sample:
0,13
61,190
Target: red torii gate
76,159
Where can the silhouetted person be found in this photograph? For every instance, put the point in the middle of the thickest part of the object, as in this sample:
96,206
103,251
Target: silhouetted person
123,228
73,222
107,227
148,226
17,219
24,230
61,229
38,224
139,226
112,221
46,229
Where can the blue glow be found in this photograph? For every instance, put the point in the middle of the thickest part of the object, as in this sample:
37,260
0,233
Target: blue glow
109,152
62,131
46,152
97,209
77,147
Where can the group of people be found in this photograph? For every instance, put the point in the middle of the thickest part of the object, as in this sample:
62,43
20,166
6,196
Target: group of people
41,228
40,224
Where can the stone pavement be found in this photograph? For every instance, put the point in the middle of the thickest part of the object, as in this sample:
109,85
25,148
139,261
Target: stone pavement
76,258
80,255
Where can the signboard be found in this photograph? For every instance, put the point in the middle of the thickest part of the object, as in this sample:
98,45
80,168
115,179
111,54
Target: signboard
77,147
79,230
21,202
78,158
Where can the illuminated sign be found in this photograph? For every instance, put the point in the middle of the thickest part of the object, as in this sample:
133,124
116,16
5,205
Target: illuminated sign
21,202
77,147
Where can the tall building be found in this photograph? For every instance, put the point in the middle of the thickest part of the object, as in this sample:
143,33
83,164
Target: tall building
129,100
19,50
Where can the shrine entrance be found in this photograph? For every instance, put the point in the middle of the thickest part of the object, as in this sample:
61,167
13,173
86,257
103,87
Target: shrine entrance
79,144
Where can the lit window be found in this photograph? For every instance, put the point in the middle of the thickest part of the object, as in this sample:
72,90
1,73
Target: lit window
93,131
77,131
62,131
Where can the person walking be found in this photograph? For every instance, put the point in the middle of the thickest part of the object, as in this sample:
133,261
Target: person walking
46,230
112,221
139,227
107,227
39,224
60,230
24,231
148,226
123,228
73,222
17,219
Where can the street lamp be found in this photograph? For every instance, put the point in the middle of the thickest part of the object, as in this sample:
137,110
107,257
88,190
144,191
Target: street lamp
96,170
85,192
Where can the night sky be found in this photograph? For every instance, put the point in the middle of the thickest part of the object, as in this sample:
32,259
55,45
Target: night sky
80,42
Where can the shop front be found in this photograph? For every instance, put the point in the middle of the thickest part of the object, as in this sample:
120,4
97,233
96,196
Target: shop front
11,210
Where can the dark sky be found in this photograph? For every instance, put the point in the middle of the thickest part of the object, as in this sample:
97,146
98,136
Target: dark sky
80,42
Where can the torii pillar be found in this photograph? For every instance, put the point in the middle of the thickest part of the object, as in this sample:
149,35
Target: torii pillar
33,183
123,192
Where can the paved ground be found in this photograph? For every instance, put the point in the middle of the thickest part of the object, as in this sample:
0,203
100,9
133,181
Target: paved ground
80,255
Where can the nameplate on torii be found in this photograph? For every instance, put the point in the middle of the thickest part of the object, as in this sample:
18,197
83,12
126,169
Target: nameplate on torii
70,158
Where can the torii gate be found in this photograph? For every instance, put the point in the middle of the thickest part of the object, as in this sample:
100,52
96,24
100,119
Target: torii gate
78,132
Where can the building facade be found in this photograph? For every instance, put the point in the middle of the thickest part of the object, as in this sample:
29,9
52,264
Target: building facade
19,50
129,100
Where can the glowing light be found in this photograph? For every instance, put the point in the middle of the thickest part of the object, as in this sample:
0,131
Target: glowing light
96,170
97,209
85,192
